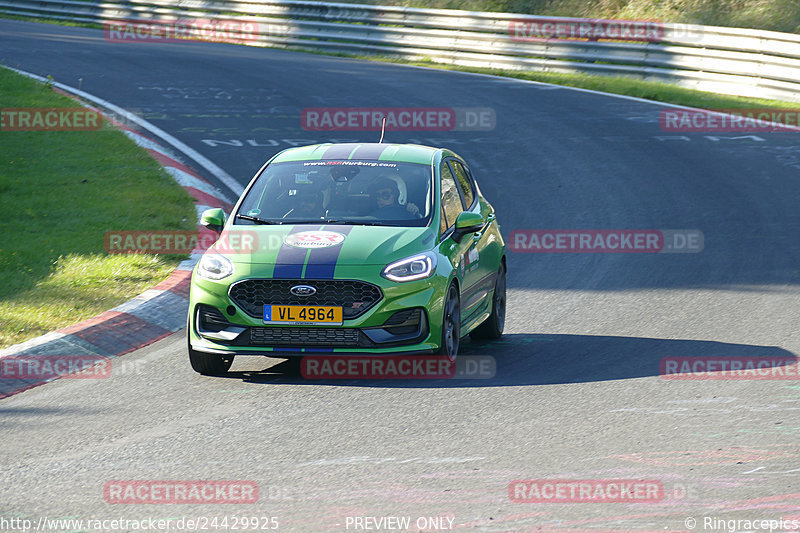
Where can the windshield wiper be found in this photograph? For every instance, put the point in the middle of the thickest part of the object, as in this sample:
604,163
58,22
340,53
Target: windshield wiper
320,221
355,222
256,219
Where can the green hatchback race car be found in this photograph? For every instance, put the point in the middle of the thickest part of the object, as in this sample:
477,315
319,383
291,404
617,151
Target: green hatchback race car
349,249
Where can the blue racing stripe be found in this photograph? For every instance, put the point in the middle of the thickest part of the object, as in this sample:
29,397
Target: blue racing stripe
321,262
290,260
340,151
369,151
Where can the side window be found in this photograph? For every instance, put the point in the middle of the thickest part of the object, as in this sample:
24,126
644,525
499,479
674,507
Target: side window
463,180
451,201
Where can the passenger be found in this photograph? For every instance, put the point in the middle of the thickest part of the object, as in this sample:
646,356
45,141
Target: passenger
384,193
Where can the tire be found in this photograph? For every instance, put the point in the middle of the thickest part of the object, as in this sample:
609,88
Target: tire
451,324
208,364
492,327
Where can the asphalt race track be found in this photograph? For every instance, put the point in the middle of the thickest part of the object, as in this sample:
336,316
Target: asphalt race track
577,394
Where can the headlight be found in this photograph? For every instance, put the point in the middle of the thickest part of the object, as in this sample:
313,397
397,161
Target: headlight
411,268
214,266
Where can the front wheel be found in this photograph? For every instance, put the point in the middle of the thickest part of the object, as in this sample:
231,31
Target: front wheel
208,364
451,324
492,327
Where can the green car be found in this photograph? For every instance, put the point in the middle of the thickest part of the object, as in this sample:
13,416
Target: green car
349,249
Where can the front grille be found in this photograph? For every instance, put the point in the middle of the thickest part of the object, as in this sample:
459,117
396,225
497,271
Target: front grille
283,336
355,297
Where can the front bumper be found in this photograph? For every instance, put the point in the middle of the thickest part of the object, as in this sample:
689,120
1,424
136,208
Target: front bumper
403,321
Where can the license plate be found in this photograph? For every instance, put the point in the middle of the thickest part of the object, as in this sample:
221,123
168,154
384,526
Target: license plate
303,314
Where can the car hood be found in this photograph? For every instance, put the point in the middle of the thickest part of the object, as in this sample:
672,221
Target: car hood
320,247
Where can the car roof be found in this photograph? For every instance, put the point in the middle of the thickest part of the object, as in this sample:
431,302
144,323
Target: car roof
405,153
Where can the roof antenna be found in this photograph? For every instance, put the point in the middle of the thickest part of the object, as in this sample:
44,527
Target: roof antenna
383,128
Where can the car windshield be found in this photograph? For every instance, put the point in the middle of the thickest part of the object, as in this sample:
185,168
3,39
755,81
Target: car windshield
382,193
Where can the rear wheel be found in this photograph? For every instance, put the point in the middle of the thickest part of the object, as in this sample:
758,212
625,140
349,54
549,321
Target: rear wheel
208,364
451,324
492,327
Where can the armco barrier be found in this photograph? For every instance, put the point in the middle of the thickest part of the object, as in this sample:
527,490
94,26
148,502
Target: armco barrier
733,61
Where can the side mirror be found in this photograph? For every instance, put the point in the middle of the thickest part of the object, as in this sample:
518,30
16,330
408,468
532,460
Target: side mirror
467,222
213,219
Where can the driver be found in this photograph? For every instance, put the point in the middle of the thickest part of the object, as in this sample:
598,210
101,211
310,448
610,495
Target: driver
309,205
384,193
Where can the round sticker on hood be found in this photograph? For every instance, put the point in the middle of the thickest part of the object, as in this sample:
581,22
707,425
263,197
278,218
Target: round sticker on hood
314,239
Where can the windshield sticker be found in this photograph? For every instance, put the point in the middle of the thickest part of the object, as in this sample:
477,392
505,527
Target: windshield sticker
350,163
314,239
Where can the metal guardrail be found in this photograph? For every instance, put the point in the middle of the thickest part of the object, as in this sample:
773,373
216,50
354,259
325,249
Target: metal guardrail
733,61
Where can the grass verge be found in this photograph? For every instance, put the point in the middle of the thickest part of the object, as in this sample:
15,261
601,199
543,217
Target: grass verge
63,190
775,15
